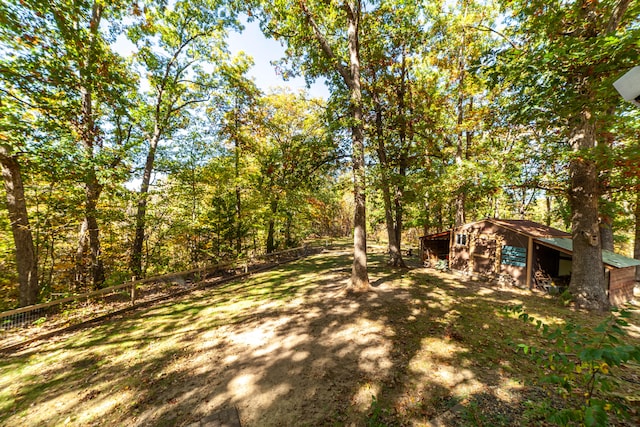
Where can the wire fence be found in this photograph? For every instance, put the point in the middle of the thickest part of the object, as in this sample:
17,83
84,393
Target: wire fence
23,324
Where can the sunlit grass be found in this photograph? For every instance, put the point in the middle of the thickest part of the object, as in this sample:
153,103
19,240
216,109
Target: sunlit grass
285,347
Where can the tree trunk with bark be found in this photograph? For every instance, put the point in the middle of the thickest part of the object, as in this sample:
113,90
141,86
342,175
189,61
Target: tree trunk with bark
606,232
26,257
80,272
238,206
288,226
135,263
395,254
92,190
359,276
88,138
271,246
461,195
402,161
636,242
587,276
588,284
238,214
351,77
89,237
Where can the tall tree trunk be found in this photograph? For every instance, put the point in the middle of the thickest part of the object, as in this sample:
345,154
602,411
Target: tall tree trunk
402,161
135,262
606,232
93,190
359,276
271,227
88,138
26,257
288,225
237,181
351,76
636,242
89,238
399,213
395,256
427,216
80,272
461,195
587,277
238,228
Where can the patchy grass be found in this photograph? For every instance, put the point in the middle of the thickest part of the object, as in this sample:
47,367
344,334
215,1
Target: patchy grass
289,347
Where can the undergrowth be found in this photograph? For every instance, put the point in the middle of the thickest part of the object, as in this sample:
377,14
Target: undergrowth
582,367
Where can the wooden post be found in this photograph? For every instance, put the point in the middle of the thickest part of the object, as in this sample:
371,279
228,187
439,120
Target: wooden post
529,261
452,242
133,292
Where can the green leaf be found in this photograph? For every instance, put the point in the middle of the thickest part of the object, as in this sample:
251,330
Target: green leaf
595,416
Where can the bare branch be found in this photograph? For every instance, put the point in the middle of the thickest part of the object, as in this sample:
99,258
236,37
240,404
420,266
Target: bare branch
185,104
481,27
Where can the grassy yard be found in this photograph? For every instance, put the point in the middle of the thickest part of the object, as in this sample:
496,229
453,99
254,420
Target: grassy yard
288,347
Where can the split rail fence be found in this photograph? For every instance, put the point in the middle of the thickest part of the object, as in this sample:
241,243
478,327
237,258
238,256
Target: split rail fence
41,319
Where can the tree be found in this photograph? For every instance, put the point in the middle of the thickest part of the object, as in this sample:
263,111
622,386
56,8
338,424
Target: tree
571,52
392,34
636,241
294,150
100,76
60,62
26,258
236,105
324,40
175,46
16,116
13,127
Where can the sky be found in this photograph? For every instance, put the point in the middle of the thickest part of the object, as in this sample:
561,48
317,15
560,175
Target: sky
263,51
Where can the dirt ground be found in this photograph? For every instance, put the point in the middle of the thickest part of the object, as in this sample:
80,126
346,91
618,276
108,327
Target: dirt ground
286,348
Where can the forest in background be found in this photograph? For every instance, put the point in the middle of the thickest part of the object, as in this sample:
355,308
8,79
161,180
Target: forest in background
171,158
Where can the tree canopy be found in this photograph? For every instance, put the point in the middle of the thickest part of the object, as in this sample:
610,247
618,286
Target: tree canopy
440,113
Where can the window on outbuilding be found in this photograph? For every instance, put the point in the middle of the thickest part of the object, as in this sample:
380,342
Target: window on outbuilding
461,239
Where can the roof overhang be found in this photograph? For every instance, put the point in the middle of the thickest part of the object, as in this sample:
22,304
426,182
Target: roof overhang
611,259
444,235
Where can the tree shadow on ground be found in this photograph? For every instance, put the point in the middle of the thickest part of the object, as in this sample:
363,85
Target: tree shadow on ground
287,348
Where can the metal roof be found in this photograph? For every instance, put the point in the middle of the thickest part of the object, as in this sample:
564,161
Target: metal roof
608,257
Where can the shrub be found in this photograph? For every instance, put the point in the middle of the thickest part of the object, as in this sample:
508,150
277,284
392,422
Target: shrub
581,366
